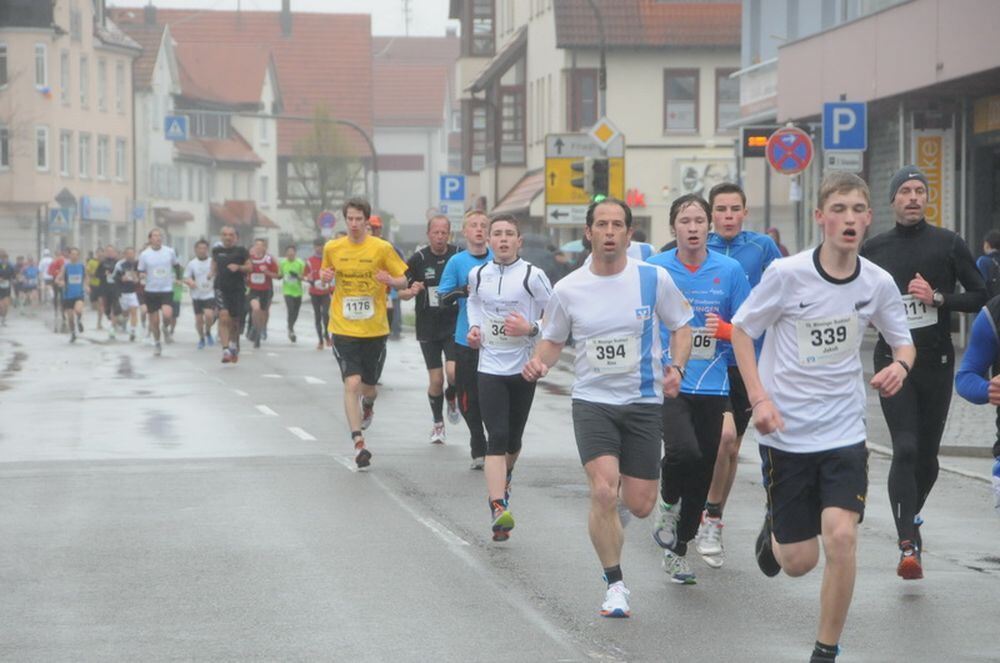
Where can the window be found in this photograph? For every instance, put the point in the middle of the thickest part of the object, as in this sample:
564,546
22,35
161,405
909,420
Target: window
480,28
75,23
265,138
41,65
3,65
582,99
209,125
264,183
102,157
64,77
4,148
83,158
474,136
727,100
65,141
120,87
512,112
102,84
680,100
84,81
121,158
42,148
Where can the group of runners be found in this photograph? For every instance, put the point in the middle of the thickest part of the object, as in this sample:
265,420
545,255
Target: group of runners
674,355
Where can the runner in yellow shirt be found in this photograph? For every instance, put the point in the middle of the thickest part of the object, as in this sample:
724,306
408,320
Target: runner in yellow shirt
362,266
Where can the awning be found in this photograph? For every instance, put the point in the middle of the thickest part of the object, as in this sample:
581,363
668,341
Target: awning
164,215
515,49
240,213
519,198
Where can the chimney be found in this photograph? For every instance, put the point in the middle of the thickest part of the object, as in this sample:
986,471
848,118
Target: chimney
286,18
149,14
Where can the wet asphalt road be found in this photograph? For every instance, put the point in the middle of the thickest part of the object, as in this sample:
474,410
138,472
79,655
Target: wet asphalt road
175,508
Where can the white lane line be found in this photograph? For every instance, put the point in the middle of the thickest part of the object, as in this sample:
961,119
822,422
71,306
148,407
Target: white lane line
301,434
271,376
346,462
273,354
263,409
220,380
311,380
443,532
240,392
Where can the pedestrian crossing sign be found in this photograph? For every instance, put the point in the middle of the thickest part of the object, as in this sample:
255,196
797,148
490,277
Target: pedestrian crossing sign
175,127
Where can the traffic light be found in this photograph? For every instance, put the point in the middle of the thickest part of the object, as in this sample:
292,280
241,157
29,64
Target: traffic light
586,181
599,178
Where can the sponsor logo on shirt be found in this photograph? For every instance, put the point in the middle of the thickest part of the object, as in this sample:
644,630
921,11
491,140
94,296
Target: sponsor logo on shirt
643,313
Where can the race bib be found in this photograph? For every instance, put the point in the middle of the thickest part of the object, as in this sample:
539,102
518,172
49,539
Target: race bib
161,272
918,314
432,296
292,276
495,334
258,278
618,354
358,308
128,276
75,279
702,344
827,340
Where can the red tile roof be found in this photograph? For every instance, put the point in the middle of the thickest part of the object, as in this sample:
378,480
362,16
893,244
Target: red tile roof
408,95
240,213
232,150
648,23
416,50
326,60
148,37
223,73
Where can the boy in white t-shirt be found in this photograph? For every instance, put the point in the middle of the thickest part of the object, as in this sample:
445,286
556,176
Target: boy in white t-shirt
808,397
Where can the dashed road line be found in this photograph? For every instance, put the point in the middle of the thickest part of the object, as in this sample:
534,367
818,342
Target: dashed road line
263,409
240,392
302,434
311,380
271,376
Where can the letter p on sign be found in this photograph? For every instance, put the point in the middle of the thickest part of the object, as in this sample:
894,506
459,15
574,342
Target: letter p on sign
845,126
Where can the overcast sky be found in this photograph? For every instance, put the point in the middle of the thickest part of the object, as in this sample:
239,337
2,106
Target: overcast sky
427,17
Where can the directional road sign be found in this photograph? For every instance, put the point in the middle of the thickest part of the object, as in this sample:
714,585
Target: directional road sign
789,150
843,162
564,150
845,126
565,215
175,127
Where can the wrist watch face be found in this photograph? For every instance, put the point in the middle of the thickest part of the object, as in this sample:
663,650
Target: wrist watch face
938,298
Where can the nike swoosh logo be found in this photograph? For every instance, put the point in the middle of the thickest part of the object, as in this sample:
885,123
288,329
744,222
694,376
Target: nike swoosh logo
804,305
860,305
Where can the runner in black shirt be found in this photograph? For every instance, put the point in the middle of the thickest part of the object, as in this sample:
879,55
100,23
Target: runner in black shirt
108,290
435,322
230,264
125,276
926,262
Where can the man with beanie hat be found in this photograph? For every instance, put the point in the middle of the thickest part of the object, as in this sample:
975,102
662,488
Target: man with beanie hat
926,262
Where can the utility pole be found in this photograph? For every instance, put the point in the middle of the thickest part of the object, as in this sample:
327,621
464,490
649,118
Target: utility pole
407,17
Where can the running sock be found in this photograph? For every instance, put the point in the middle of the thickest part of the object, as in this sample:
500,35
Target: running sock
437,407
355,434
613,574
824,652
497,505
450,392
713,509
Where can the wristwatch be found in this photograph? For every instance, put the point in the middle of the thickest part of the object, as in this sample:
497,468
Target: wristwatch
534,330
938,298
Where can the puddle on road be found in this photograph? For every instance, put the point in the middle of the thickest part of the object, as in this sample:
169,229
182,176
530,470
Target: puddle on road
15,363
159,425
125,370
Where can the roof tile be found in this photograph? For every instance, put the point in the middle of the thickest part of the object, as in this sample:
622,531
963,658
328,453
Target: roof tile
648,23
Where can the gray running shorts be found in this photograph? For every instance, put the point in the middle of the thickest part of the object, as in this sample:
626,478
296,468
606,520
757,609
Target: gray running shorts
632,433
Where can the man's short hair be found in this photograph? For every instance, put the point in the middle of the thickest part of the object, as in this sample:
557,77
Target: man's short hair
842,183
507,218
200,242
474,212
609,201
359,204
434,218
233,228
262,240
993,239
726,187
319,241
686,201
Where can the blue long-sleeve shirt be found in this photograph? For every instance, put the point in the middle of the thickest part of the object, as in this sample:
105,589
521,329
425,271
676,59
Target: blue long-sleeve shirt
452,285
972,380
753,251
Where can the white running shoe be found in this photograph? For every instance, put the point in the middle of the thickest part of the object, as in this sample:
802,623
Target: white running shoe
437,433
677,568
709,542
454,416
616,601
477,463
665,530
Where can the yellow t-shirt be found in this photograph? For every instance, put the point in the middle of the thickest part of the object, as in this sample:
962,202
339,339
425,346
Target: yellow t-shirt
358,306
92,271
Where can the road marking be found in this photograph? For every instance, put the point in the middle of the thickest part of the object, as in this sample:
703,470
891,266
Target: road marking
263,409
220,380
240,392
311,380
273,354
347,462
443,532
271,376
301,434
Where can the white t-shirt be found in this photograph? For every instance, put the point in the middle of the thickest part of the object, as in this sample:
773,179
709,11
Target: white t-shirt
159,268
614,321
198,271
810,364
43,268
496,291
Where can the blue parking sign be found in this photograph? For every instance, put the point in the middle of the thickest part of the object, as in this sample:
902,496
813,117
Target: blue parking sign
845,126
452,188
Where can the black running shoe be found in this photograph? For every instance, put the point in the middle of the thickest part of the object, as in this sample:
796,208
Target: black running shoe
765,555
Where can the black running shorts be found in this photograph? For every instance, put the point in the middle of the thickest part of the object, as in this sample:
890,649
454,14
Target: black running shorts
157,300
739,402
434,349
231,300
202,305
262,296
360,356
632,433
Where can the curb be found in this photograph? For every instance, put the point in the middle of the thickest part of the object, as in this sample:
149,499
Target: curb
887,452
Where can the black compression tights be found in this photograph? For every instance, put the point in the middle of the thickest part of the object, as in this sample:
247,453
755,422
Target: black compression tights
293,304
916,417
321,314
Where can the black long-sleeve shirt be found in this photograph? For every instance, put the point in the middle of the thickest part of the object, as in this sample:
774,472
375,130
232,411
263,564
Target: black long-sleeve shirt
942,258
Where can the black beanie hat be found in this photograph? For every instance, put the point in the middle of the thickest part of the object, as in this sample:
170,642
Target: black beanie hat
905,174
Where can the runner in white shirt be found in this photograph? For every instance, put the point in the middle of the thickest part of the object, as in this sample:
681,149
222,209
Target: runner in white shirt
198,277
156,263
613,309
506,298
808,396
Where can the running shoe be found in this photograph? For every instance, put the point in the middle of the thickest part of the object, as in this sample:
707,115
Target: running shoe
437,433
209,340
72,336
201,344
362,457
256,341
477,463
765,554
227,357
79,326
263,334
709,541
157,349
291,336
616,601
454,416
111,334
677,567
503,522
665,531
909,567
367,413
